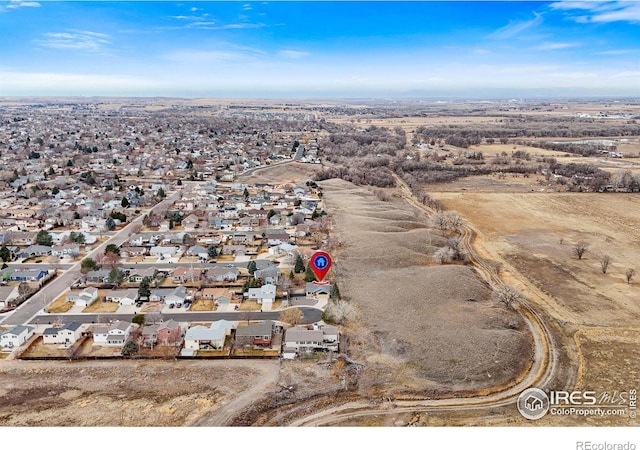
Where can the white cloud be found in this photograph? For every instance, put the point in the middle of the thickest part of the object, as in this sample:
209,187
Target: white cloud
226,54
601,12
15,4
556,45
75,40
514,28
293,54
58,83
247,7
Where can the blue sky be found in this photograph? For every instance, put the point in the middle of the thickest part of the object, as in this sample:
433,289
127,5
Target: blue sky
320,49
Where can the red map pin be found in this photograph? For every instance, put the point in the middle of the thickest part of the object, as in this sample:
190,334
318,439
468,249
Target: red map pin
320,264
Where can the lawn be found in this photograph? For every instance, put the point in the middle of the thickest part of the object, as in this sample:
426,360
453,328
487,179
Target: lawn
202,305
101,307
60,305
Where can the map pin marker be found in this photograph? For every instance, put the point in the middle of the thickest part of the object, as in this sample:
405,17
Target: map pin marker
320,264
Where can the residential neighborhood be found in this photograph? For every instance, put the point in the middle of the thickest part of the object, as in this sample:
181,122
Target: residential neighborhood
151,223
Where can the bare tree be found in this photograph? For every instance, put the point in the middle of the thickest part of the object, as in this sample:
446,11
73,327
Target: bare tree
580,248
507,295
444,255
291,316
629,273
340,311
604,260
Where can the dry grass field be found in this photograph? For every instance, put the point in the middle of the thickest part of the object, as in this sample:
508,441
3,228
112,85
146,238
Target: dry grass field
422,326
129,393
534,235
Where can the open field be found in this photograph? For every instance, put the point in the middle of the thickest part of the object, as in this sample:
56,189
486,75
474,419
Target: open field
418,331
58,394
535,238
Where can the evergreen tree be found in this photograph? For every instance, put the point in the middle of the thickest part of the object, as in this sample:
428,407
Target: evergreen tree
44,238
144,290
252,267
299,264
309,275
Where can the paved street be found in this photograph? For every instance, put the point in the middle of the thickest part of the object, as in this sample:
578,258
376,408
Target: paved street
25,312
310,315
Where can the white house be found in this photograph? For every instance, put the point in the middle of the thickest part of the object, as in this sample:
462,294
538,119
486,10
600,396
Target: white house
16,336
178,295
264,295
307,339
115,334
126,297
67,334
164,251
7,294
85,297
199,336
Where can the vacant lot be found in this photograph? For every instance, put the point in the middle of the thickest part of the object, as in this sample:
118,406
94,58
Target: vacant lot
534,236
128,393
423,326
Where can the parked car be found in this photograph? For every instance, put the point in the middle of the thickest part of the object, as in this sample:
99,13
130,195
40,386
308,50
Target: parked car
228,265
178,305
172,305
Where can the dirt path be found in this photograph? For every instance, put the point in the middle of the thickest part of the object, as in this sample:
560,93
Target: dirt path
265,383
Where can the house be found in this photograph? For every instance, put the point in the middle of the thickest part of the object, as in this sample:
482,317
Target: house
159,294
138,275
36,250
234,249
16,336
199,336
98,276
264,295
177,295
85,297
307,339
184,274
164,251
7,295
63,250
260,333
132,252
199,251
190,222
29,275
115,334
169,333
126,297
318,291
219,274
268,275
68,334
220,295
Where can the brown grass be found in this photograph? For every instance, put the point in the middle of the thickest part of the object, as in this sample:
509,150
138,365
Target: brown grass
418,328
101,307
203,305
60,305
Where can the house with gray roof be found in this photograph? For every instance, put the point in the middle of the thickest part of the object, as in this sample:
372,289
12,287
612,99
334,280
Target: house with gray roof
16,336
199,336
68,334
260,333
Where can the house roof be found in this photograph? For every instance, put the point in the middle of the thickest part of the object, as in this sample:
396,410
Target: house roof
255,329
72,326
298,334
